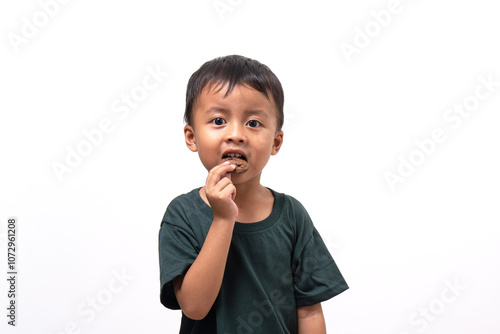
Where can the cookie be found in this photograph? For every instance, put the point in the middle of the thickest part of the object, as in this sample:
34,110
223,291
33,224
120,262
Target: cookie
241,164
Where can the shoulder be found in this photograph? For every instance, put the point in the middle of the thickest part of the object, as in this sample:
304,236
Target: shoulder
182,206
291,206
294,204
295,213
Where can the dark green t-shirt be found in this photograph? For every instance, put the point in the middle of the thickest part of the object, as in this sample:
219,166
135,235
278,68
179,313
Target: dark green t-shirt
273,267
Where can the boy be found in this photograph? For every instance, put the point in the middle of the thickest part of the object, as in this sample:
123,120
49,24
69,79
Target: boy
235,256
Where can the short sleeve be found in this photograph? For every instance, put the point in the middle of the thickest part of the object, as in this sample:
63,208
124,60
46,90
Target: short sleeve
178,248
315,274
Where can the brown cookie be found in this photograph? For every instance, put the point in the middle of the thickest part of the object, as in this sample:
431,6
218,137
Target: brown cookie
241,164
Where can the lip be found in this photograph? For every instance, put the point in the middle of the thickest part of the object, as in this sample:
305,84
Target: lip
235,151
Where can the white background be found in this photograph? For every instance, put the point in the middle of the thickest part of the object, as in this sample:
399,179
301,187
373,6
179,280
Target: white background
347,123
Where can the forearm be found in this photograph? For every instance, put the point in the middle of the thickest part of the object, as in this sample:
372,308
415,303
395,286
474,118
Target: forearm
311,320
199,288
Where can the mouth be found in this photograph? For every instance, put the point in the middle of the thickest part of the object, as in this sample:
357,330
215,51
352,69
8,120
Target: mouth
238,159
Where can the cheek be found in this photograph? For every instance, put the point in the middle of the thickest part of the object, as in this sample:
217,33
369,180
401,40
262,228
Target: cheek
207,149
210,139
208,159
265,148
269,144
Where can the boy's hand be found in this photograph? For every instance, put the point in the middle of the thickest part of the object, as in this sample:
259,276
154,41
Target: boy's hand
220,192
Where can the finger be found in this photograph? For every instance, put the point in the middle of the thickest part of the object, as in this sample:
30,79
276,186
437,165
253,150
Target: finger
223,183
217,173
229,191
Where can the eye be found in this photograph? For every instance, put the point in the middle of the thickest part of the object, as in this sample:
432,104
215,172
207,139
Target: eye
253,123
219,121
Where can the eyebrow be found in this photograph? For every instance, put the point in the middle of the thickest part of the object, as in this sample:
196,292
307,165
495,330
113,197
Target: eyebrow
256,112
226,111
216,109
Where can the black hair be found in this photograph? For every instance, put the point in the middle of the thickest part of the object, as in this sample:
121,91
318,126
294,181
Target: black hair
234,70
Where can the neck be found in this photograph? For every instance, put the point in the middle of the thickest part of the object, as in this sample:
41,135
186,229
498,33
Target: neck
254,201
247,192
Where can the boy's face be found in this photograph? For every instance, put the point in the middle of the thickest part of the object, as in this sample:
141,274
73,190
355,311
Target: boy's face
244,122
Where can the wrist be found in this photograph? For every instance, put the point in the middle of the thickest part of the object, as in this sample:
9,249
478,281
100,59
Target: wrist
218,220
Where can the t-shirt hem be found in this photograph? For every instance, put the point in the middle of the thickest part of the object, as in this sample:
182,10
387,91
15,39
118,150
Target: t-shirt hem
168,298
169,276
324,296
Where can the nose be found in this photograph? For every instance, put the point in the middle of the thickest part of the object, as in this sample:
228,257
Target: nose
235,133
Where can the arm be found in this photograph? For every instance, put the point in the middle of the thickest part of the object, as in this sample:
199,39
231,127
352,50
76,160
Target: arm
311,320
197,290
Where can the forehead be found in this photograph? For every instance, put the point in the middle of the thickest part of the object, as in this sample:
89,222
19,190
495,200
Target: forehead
240,99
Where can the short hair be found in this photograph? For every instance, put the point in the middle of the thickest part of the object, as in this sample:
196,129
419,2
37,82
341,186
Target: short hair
234,70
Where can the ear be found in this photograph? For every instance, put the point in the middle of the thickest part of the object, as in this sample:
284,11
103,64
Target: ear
190,138
278,140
